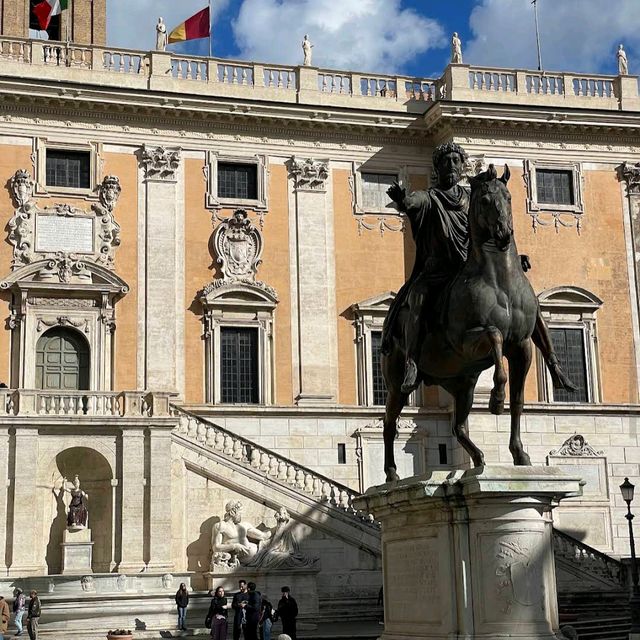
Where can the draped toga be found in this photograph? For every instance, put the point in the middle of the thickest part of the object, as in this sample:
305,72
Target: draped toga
439,224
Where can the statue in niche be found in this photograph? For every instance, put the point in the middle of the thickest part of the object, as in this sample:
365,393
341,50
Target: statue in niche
283,550
234,541
78,513
306,50
456,49
161,35
623,63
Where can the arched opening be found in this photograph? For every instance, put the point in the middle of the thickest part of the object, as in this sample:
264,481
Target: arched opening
62,360
95,474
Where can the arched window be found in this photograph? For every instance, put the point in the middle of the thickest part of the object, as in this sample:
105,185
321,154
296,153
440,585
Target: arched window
62,360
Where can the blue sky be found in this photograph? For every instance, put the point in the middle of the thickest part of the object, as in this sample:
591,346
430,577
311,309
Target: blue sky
397,36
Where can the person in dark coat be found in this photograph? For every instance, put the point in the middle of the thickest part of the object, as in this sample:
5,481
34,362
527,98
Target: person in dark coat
287,612
182,601
33,615
217,616
253,609
238,604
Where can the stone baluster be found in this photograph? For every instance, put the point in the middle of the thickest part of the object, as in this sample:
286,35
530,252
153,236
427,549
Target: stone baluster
238,450
211,438
201,433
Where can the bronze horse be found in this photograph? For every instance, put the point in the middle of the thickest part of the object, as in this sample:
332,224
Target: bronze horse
489,311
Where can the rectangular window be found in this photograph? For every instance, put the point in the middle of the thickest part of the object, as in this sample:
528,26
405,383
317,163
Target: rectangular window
379,386
555,186
239,181
374,190
70,169
442,453
239,365
342,453
569,347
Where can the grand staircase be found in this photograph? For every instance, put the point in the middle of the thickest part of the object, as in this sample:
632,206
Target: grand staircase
593,596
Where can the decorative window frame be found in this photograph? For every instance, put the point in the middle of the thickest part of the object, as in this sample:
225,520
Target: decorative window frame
368,316
571,308
562,215
239,305
238,299
260,161
40,147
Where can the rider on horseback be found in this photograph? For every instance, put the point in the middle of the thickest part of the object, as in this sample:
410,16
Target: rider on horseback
440,230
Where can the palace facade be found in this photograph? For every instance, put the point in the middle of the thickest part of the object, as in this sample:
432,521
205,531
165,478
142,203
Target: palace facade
198,258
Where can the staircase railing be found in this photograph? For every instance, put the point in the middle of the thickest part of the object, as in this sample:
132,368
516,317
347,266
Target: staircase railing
589,559
272,465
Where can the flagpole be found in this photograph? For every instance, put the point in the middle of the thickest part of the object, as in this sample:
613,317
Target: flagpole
210,30
535,10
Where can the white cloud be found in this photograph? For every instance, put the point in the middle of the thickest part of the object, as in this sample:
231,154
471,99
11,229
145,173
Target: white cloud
365,35
132,23
576,35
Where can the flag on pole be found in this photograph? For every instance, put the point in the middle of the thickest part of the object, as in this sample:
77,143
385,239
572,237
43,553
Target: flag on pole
197,26
45,10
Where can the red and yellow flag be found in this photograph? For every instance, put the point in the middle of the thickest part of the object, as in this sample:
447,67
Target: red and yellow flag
197,26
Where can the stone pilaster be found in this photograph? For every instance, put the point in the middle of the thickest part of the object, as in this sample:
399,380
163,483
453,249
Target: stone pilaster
4,491
23,553
162,288
132,482
317,375
160,500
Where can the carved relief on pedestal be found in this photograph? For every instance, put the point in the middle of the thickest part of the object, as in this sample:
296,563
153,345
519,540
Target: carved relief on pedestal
308,174
63,237
160,163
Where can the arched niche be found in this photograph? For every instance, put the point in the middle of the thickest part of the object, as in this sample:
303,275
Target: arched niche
96,476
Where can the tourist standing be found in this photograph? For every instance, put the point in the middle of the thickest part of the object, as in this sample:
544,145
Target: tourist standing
19,603
253,609
5,615
182,601
238,604
287,612
33,615
218,611
266,618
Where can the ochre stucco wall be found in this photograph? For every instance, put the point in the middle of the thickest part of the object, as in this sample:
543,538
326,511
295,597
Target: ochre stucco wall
595,260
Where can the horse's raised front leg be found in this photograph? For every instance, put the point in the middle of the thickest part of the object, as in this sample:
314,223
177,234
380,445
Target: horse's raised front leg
462,391
519,358
479,343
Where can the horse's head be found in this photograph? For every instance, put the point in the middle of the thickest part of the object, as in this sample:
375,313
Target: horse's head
490,208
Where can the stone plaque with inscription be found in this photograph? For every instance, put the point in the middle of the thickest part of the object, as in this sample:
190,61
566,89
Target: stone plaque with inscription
65,234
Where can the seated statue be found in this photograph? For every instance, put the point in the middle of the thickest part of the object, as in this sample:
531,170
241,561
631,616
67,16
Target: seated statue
234,542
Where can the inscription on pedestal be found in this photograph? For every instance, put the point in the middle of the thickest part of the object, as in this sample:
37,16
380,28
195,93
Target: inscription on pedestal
412,573
66,234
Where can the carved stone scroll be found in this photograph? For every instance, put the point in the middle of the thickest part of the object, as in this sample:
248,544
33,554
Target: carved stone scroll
576,446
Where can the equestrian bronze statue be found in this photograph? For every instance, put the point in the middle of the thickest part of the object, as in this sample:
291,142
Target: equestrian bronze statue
466,305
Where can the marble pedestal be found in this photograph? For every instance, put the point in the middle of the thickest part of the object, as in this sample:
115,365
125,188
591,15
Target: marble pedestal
77,552
469,554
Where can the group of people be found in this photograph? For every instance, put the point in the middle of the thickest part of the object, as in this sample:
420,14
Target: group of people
253,614
19,606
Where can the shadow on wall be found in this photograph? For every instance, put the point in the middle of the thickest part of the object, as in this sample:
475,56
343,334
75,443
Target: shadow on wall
199,551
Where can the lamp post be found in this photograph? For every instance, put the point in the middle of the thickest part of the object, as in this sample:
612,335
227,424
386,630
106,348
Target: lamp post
627,489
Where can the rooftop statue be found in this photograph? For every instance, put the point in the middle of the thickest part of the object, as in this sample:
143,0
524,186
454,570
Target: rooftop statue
466,304
623,63
456,49
306,50
161,35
